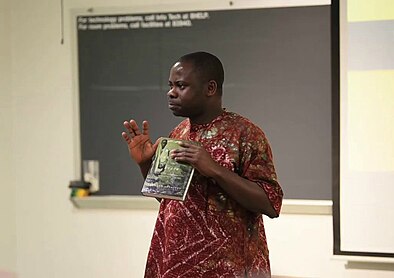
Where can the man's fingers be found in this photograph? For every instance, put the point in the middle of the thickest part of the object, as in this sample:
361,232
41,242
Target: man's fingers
134,128
127,125
156,144
126,137
182,153
145,128
188,145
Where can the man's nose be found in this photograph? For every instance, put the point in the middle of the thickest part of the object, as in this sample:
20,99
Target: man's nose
172,93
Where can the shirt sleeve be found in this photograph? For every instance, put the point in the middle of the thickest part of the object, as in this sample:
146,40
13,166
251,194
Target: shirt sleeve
257,165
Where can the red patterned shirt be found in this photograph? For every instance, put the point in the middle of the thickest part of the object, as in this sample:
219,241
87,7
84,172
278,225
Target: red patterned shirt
210,234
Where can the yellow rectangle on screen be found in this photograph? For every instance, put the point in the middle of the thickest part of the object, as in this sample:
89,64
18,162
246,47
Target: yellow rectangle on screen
370,120
370,10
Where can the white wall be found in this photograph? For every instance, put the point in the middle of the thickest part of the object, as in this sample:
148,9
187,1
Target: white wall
53,238
7,188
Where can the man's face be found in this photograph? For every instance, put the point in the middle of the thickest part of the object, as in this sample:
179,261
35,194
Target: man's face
186,97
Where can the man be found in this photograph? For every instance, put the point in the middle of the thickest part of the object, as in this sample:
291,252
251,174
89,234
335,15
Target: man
218,230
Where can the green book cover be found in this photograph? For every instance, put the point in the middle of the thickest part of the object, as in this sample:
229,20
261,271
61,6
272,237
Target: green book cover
167,178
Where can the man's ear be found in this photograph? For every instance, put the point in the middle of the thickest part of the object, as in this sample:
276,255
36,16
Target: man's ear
212,88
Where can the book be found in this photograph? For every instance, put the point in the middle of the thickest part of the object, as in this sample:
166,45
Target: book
167,178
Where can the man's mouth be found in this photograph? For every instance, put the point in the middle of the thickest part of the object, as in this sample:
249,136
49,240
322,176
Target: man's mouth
172,105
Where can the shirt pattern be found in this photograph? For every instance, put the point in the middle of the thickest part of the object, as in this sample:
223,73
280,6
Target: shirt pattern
210,234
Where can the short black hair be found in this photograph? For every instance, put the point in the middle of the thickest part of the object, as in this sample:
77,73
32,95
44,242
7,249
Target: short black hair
207,65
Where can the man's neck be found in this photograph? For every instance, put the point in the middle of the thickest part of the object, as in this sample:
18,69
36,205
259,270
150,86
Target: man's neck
208,117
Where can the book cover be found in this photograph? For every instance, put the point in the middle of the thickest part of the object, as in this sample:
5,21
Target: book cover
167,178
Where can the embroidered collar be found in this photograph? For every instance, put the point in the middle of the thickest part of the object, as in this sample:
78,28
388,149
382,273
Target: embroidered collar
205,126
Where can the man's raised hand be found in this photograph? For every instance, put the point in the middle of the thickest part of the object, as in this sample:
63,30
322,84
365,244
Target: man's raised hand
139,144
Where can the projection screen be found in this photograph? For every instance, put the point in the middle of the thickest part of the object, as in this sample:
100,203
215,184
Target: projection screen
366,208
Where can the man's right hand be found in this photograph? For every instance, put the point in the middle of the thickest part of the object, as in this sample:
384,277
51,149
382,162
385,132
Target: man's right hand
140,146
